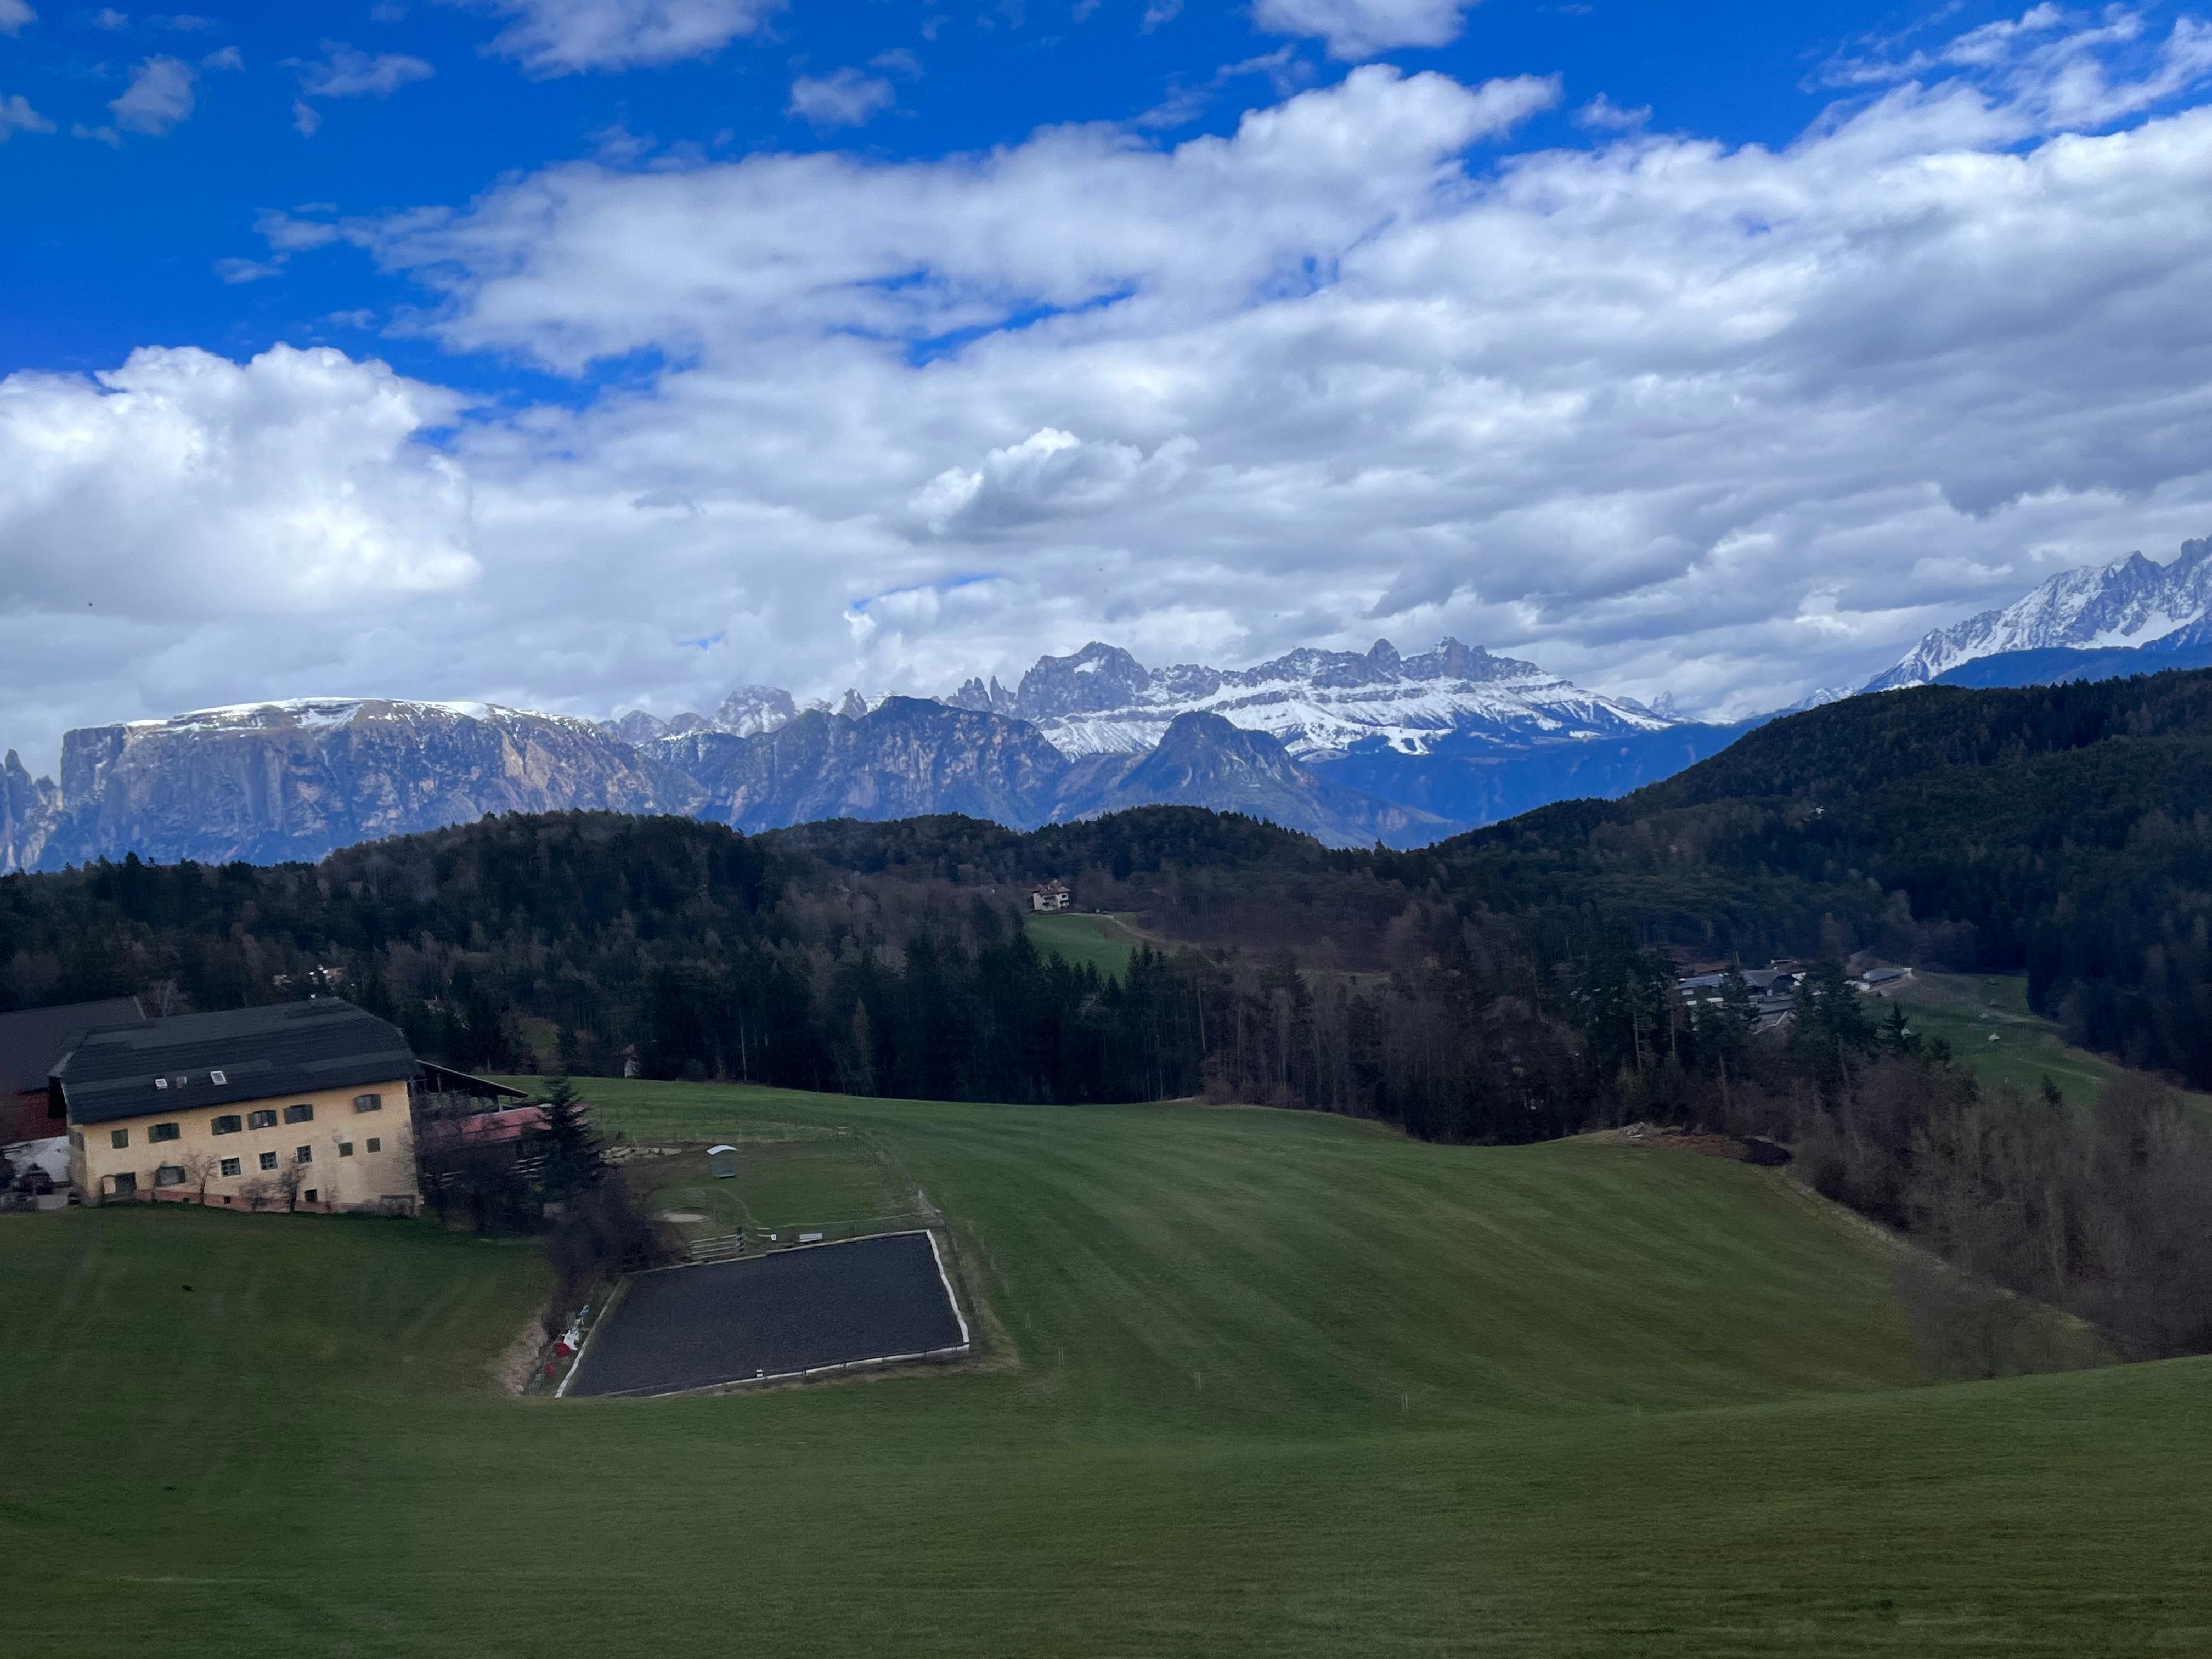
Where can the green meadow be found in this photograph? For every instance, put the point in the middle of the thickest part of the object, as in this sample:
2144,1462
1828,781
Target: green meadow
1104,942
1995,1035
1255,1382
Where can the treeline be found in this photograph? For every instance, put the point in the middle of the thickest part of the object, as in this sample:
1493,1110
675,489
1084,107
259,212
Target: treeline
591,945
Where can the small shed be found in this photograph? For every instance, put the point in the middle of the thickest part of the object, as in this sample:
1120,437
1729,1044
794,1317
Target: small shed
722,1162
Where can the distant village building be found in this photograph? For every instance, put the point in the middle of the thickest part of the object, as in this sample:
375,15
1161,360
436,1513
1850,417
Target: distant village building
297,1104
1052,895
1773,991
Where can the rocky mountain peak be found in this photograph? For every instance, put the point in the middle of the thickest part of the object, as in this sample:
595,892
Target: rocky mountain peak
2132,601
751,709
1097,677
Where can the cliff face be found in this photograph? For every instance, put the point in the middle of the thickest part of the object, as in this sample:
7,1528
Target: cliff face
295,779
26,811
908,758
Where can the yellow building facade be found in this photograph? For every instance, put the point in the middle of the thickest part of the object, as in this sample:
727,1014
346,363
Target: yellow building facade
280,1106
343,1149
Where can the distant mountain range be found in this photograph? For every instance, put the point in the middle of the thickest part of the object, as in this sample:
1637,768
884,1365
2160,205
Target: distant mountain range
1320,704
2115,611
1351,747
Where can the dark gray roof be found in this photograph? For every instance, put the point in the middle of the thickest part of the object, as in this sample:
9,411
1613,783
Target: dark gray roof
32,1040
285,1049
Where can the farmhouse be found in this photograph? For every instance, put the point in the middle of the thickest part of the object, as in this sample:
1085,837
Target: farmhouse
297,1104
1052,895
30,1043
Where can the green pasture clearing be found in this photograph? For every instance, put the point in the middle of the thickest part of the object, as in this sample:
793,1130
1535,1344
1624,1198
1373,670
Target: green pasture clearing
1276,1384
1104,942
787,1178
1993,1033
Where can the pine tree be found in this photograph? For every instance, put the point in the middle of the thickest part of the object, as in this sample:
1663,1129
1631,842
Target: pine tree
569,1160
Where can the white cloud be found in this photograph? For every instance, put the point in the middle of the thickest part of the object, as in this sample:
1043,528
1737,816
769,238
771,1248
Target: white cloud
108,18
583,261
562,37
183,487
1659,414
1050,474
307,119
346,71
15,16
160,96
846,98
16,116
1361,28
1602,114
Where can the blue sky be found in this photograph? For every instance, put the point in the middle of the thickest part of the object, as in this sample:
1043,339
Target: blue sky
116,244
1713,349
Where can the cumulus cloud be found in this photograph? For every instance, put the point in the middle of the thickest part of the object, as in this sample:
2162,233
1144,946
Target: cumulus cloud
586,261
183,486
16,116
346,71
845,98
1050,474
1355,29
15,16
158,97
562,37
1660,413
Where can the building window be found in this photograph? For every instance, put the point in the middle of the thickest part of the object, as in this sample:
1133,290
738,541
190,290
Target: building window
171,1132
227,1125
375,1144
263,1119
268,1160
345,1149
218,1076
306,1154
169,1175
126,1185
160,1082
118,1137
299,1115
311,1195
368,1102
230,1166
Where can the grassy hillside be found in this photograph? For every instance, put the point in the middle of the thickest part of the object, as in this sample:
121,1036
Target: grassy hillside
1286,1384
1102,942
1986,1020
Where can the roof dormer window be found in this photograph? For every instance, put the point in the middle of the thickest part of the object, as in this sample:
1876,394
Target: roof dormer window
160,1082
217,1077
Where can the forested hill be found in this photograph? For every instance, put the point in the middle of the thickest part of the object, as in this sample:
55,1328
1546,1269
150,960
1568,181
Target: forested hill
2063,829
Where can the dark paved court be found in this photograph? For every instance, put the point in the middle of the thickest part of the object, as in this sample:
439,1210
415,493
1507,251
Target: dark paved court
689,1327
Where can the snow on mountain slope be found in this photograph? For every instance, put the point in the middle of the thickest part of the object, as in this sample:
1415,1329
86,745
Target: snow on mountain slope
2130,602
1318,704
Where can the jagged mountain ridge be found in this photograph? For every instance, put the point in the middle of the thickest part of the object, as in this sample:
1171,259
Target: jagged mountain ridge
2131,602
1319,704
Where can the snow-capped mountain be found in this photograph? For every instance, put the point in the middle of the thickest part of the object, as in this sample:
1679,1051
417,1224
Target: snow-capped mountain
1319,704
745,712
2131,602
